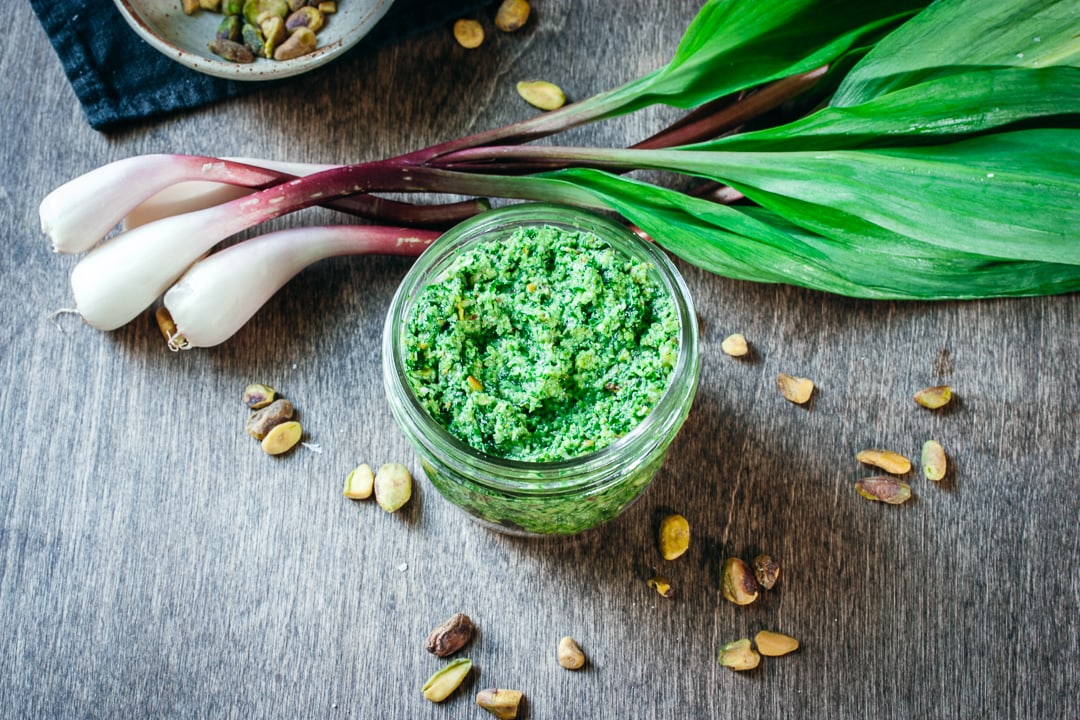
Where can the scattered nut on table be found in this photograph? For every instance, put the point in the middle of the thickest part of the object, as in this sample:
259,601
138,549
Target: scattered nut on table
512,15
739,655
569,654
282,438
450,636
360,483
541,94
503,704
934,397
674,536
884,489
795,389
445,681
933,460
265,419
662,586
735,345
774,644
889,461
257,395
393,486
766,571
468,33
737,582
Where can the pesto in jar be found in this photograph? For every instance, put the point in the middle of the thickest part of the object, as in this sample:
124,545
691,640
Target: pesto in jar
541,346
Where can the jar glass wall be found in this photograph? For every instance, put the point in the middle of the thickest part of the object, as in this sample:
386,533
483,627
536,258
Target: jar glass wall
541,498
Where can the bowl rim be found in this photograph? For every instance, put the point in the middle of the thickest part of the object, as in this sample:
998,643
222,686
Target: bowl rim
257,71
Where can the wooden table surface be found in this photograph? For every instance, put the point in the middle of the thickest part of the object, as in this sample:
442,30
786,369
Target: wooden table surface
155,563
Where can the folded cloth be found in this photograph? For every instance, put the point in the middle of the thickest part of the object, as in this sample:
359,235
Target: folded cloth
119,79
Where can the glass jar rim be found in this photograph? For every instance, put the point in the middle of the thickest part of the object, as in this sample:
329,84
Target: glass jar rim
527,476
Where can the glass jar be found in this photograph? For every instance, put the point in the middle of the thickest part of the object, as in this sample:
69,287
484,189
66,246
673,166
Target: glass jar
541,498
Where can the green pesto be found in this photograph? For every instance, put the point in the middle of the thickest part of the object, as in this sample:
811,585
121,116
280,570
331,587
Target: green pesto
542,346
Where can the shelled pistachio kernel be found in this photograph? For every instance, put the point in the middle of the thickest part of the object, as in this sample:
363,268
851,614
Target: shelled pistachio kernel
443,683
360,483
739,655
795,389
569,654
737,582
393,486
541,94
263,420
258,396
512,15
774,644
934,397
674,536
306,16
934,463
735,345
282,438
468,33
884,489
662,586
889,461
766,571
301,42
503,704
450,636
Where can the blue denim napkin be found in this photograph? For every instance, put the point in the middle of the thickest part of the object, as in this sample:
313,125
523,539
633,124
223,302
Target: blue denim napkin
119,79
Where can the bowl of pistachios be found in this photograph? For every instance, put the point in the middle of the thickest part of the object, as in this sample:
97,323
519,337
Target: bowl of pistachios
252,39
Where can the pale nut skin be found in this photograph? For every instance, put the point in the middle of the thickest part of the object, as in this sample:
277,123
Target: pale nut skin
393,487
674,536
570,655
738,584
739,655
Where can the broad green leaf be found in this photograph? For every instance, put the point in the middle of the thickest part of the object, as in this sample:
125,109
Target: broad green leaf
733,45
953,35
1009,195
757,245
969,102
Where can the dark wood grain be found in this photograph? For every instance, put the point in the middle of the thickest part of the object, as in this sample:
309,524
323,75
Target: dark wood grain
155,563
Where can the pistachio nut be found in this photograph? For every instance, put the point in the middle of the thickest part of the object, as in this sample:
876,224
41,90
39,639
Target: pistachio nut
766,571
468,33
307,16
737,583
884,489
393,486
503,704
231,51
282,438
934,397
674,536
265,419
569,654
795,389
541,94
739,655
934,463
735,345
360,483
774,644
512,15
443,683
450,636
258,396
662,585
887,460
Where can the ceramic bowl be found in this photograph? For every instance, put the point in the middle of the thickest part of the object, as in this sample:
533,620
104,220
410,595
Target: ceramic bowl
185,38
